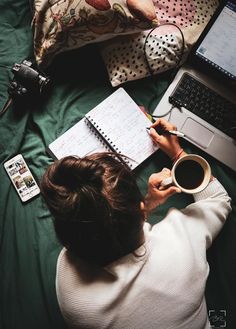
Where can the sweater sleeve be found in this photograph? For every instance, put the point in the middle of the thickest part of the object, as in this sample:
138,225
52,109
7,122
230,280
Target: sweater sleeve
210,210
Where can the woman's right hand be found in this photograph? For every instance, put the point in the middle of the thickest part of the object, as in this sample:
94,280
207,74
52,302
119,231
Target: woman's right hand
167,143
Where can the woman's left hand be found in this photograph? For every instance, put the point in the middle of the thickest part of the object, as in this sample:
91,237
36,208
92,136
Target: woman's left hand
156,195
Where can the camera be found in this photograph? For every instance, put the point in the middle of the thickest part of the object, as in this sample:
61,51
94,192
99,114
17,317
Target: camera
27,80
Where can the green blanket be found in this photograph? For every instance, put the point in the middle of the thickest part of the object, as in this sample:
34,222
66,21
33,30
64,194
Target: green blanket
28,246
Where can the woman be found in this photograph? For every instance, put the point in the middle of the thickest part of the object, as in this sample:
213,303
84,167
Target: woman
115,270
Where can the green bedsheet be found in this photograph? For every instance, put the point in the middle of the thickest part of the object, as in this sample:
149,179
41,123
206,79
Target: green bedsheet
28,246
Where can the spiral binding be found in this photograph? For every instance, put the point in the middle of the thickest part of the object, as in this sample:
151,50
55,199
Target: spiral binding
88,123
91,123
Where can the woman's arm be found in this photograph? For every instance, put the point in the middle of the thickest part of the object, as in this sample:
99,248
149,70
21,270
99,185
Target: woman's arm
170,145
212,205
210,210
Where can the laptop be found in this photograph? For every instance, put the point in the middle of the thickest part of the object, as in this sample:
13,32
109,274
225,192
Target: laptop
210,71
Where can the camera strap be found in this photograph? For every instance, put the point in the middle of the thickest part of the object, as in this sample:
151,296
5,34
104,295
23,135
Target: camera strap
6,105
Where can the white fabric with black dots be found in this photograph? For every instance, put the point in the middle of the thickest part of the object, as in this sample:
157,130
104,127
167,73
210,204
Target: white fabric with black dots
124,56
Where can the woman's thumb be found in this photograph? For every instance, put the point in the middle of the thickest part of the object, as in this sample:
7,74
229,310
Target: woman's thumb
171,190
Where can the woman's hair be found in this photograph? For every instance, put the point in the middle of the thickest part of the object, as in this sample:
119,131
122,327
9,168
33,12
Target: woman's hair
95,201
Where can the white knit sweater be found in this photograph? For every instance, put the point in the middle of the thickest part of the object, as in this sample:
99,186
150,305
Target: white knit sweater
162,288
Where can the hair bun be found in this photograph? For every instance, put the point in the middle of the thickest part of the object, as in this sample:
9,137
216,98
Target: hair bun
75,173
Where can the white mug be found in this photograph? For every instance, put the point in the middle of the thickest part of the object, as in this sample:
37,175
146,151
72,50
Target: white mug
190,173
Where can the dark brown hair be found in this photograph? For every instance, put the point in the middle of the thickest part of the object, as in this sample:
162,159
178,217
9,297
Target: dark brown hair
95,201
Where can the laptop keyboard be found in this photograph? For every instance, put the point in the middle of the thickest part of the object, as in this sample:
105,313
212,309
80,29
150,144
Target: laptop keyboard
205,103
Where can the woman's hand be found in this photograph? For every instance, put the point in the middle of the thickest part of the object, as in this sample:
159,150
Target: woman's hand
156,195
167,143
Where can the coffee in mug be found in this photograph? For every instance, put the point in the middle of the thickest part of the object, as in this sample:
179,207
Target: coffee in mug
191,174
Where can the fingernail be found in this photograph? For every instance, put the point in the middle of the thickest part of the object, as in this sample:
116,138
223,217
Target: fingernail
165,169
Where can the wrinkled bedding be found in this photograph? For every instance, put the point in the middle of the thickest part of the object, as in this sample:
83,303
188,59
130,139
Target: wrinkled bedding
28,246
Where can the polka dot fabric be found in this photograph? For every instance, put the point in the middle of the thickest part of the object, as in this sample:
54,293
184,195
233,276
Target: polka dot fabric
124,56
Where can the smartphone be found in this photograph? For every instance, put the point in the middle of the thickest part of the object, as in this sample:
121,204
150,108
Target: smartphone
21,178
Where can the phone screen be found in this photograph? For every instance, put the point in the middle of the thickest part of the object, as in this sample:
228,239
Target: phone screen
21,178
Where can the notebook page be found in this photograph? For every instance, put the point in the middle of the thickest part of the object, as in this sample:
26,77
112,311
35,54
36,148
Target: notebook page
119,119
79,140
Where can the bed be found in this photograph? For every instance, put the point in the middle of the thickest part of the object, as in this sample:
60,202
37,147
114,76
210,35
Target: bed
28,246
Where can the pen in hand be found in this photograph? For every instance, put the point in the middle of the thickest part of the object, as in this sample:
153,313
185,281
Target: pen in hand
171,132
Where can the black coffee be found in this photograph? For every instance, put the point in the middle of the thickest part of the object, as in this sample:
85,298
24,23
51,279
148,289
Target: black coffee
189,174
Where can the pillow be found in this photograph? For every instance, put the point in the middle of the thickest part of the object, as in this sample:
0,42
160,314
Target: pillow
61,25
124,56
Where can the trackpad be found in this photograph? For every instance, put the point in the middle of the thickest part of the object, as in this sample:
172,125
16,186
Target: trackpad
197,133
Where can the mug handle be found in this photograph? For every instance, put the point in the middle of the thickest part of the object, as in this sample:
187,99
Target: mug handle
167,182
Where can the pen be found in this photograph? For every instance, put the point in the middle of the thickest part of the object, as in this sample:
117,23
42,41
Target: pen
176,133
171,132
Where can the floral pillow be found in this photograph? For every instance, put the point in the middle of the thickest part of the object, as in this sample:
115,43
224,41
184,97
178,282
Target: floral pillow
134,56
61,25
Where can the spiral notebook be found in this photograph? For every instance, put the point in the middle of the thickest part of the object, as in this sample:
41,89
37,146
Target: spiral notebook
116,124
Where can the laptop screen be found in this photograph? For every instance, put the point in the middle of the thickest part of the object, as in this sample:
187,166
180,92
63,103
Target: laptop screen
218,48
